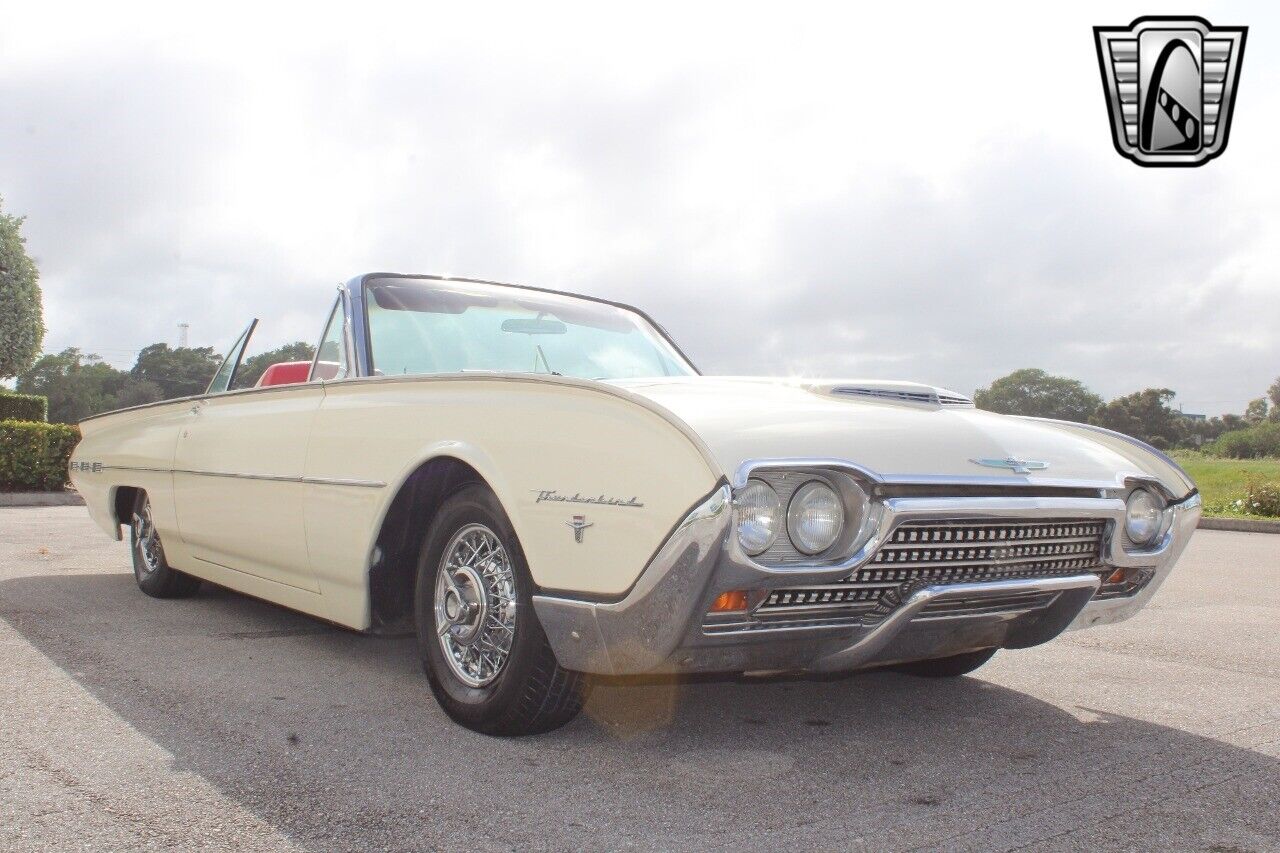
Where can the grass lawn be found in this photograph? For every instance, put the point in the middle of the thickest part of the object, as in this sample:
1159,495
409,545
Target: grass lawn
1221,481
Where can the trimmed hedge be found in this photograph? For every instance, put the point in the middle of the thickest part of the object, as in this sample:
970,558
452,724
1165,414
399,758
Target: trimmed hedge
1253,442
34,456
23,407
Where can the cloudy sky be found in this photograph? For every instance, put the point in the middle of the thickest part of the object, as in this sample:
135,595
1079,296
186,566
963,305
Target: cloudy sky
919,192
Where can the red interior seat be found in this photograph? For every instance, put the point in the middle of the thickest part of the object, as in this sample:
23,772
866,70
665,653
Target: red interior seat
285,373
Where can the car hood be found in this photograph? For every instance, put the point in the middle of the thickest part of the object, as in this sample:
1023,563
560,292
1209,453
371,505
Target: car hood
899,430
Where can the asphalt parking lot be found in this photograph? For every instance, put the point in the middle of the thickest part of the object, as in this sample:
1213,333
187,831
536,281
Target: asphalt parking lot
224,723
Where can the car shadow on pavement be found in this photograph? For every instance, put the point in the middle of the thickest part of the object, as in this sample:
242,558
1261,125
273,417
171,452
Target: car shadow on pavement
333,738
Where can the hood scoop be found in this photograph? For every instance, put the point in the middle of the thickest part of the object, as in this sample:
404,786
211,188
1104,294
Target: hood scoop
897,392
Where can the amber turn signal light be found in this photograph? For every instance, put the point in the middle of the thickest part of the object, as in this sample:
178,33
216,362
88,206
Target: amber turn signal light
726,602
1116,577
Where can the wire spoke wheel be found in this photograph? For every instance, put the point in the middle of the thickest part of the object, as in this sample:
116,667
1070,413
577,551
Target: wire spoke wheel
475,605
151,568
146,539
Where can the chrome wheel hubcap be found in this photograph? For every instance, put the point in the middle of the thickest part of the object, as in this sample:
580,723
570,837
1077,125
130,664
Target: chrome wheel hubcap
146,540
475,605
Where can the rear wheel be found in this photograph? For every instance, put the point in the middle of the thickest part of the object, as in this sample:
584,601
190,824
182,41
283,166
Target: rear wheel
154,574
485,655
951,667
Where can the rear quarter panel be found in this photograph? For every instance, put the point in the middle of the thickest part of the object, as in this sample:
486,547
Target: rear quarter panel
524,436
135,448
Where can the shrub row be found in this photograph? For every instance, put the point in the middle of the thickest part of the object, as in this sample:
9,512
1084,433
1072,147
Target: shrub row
1261,498
1251,443
23,407
34,456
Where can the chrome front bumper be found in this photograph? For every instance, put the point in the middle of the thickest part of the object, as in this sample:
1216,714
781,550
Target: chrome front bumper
658,626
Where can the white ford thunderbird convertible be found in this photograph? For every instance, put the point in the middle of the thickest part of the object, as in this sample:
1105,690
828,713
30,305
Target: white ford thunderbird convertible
546,489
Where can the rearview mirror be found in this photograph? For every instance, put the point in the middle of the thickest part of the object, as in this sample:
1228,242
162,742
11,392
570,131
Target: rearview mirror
534,327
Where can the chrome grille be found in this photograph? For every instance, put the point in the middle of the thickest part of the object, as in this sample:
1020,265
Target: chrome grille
944,552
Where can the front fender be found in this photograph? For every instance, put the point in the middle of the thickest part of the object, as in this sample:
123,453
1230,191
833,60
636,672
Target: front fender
1149,460
551,448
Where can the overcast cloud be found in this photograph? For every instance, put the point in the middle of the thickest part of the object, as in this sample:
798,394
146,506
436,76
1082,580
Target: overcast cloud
919,192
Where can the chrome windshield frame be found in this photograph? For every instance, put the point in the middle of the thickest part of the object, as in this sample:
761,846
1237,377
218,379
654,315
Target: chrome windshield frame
354,291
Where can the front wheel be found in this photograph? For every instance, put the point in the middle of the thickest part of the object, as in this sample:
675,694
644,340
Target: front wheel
154,574
485,655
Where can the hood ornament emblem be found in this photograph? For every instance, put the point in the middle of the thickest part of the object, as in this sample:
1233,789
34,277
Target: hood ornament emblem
1018,466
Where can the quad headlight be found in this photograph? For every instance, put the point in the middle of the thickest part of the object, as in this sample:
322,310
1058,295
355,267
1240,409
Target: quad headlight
1144,517
815,517
759,516
828,516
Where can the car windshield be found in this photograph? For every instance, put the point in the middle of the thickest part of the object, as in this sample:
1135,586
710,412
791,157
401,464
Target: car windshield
421,326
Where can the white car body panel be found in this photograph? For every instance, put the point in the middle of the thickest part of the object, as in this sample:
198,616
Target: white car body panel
282,492
743,418
284,489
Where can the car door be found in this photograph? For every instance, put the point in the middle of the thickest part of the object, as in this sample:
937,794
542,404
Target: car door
238,476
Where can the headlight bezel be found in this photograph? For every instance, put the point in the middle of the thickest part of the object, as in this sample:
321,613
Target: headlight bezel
862,515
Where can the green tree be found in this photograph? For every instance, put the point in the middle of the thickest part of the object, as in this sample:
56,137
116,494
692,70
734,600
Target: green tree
79,385
1274,393
1231,423
138,392
1033,392
1197,433
1256,411
251,369
178,372
21,316
1144,415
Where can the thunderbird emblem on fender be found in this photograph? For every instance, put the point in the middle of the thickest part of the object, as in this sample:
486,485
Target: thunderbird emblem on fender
579,524
1018,466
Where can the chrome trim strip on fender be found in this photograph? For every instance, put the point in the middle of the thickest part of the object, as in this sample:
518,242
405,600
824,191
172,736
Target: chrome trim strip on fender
339,481
274,478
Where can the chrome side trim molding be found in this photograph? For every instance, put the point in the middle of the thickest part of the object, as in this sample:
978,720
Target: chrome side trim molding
274,478
199,398
338,481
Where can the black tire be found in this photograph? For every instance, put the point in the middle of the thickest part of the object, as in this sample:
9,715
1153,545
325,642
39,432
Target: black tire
530,692
951,667
154,574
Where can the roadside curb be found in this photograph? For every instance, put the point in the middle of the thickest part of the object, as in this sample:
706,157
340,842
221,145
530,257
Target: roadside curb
1244,525
41,499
